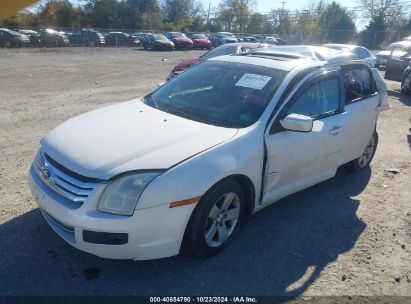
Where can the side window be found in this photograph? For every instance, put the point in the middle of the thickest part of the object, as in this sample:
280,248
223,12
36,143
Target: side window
319,100
357,84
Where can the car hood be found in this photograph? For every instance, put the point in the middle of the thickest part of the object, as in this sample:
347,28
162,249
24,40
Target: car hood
185,64
202,40
129,136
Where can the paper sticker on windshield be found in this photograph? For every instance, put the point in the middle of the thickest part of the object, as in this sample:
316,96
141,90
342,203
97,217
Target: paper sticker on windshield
253,81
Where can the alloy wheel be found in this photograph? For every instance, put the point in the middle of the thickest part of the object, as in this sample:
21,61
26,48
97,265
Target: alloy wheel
222,219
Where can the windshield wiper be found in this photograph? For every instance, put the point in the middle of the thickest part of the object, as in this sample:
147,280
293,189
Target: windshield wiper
150,101
182,113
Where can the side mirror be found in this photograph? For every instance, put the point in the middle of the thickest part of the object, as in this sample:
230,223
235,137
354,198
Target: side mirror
297,122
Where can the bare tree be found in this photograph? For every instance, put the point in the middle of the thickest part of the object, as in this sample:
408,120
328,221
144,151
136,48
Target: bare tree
240,9
388,8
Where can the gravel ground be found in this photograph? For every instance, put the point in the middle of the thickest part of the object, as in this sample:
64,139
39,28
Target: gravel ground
350,235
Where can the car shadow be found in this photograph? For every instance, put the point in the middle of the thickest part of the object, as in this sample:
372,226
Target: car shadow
405,99
279,251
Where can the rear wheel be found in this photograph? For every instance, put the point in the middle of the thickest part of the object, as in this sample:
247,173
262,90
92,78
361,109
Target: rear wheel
365,159
215,219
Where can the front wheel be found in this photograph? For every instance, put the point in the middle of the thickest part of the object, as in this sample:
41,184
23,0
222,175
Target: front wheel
365,159
215,219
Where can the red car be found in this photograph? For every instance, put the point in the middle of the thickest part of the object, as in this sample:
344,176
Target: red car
180,40
225,49
200,41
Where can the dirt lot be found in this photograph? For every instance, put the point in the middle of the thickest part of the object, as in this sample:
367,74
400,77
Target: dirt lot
347,236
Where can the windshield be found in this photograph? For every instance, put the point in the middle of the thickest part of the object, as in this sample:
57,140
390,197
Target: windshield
390,47
178,35
223,50
229,35
160,37
226,94
198,36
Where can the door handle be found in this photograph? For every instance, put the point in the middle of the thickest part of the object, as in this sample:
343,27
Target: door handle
336,130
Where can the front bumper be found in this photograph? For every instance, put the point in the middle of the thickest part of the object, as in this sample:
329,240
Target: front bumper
163,47
183,45
152,233
200,45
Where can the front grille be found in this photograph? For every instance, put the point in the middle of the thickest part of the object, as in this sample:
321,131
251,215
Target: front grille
62,180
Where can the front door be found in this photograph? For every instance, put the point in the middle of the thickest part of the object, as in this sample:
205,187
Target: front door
396,64
297,160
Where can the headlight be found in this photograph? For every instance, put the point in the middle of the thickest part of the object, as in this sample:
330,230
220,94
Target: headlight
122,194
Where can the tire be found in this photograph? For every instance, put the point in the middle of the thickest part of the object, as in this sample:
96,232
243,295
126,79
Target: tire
211,217
404,91
91,43
365,159
8,44
144,46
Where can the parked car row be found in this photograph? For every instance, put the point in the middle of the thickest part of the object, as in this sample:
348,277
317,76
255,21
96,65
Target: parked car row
53,38
155,41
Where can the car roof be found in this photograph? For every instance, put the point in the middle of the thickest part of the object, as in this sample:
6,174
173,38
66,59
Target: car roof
341,45
247,45
289,57
285,65
318,53
405,43
9,31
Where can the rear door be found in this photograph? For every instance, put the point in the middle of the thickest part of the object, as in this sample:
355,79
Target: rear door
297,160
362,106
396,64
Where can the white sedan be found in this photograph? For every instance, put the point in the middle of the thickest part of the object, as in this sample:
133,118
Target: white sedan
179,167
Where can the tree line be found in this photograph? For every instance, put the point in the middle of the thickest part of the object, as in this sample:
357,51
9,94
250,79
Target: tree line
320,20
